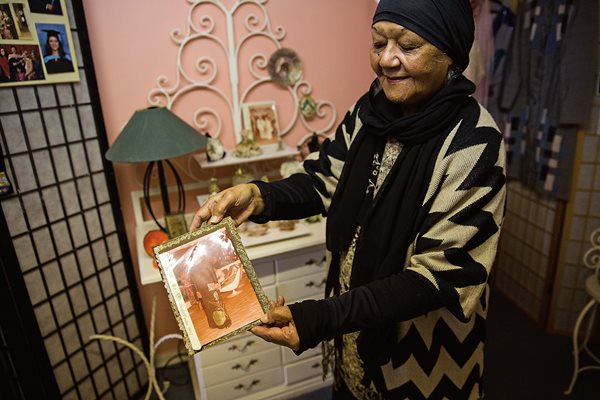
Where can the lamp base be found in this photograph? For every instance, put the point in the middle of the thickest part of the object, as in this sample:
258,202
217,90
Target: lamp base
176,219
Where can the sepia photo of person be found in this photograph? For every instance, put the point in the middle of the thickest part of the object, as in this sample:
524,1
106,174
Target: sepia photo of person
218,294
57,56
263,123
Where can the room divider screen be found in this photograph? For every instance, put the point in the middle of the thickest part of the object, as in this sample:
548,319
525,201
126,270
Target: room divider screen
66,268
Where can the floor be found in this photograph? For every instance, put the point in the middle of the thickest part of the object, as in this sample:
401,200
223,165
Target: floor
522,361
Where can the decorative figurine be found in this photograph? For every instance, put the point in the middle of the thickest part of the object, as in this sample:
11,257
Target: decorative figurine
247,148
214,148
213,187
241,176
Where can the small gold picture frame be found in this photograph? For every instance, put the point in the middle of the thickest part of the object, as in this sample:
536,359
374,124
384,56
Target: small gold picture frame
212,286
176,224
261,119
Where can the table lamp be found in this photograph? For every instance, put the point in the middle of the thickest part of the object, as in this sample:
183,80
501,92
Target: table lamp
155,135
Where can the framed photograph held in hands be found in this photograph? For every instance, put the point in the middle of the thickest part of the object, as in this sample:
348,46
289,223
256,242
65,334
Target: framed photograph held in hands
212,287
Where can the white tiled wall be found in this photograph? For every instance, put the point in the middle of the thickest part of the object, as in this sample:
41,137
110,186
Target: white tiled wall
582,217
523,260
524,252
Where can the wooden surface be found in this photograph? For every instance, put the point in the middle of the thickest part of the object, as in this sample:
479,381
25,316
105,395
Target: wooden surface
242,308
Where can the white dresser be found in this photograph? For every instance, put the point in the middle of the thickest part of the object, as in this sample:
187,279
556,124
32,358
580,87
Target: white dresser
246,367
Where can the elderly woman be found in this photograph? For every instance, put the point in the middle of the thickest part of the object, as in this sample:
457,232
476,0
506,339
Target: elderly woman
413,187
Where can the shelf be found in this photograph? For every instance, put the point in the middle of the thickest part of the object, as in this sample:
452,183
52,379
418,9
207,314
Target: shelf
232,160
255,251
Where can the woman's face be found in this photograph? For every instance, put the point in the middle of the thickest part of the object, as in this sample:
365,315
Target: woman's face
410,69
53,43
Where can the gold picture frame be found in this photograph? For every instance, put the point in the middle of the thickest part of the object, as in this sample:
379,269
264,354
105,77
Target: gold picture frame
212,286
176,224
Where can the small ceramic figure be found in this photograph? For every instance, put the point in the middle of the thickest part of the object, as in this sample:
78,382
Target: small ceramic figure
247,148
214,149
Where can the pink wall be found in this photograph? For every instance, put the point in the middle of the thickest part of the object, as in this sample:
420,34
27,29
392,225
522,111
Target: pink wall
131,47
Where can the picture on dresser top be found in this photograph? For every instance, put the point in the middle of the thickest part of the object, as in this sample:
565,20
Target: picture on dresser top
213,289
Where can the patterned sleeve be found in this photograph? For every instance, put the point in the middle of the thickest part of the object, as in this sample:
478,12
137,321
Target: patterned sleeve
309,191
457,245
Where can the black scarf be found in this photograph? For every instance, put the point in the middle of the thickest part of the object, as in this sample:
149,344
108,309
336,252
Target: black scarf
390,221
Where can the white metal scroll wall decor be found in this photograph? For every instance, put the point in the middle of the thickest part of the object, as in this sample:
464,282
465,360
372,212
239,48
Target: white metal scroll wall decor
257,25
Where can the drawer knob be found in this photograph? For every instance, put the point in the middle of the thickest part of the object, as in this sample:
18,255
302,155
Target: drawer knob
317,285
247,367
313,262
315,365
247,387
241,349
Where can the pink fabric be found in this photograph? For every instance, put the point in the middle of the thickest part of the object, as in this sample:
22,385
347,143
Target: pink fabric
482,52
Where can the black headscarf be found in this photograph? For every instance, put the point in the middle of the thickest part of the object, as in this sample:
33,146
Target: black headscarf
391,220
447,24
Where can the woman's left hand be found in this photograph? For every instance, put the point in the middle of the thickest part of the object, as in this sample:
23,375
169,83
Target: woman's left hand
278,326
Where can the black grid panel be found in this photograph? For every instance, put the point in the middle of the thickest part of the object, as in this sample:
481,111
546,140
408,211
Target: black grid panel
62,225
9,378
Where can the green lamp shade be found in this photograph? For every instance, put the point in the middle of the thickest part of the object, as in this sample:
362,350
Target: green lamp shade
155,134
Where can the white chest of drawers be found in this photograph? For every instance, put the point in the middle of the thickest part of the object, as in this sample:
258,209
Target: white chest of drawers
246,367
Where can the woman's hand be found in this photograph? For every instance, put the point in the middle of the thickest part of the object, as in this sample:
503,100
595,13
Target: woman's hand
278,326
238,202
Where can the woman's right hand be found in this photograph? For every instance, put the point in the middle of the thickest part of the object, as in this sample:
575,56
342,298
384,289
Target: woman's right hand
239,202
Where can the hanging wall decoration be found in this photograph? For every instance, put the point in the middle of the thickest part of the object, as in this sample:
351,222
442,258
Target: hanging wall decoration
308,107
36,46
244,67
285,67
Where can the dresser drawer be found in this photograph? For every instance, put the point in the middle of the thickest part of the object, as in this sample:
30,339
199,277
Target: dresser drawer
289,356
233,349
240,387
302,370
302,263
265,271
300,288
270,292
240,367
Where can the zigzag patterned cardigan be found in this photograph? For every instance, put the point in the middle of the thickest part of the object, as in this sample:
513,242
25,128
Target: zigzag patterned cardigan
438,353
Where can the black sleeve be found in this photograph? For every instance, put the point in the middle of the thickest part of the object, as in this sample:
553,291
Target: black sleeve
290,198
309,192
399,297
